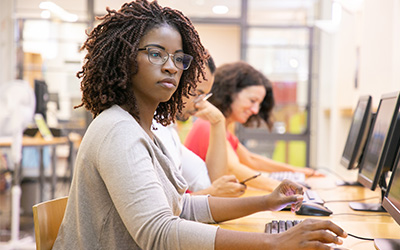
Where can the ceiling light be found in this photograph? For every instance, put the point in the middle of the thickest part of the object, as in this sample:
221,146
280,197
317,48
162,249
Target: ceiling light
58,11
220,9
45,14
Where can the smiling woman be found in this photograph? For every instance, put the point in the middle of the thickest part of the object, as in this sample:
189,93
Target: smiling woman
244,95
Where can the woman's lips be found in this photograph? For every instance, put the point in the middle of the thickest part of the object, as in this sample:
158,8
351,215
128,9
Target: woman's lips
168,82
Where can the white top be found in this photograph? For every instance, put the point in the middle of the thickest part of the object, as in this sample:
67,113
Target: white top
192,167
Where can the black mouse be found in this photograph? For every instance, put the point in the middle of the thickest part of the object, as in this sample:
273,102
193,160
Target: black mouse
313,209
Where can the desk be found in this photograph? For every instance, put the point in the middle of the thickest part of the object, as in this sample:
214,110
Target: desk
365,224
40,143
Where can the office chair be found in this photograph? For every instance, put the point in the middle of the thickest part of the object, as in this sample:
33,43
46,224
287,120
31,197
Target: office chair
47,218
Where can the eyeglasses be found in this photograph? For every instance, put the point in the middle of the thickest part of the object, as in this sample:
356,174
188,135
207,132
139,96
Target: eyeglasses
159,57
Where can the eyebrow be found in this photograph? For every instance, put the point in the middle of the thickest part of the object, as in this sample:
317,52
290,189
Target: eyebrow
161,47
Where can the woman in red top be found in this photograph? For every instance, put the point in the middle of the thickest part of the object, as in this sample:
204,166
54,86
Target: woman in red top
244,95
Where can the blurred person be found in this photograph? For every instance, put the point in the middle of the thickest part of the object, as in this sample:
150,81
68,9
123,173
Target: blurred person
243,95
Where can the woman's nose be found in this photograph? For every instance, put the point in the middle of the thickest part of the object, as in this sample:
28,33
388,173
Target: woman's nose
255,108
169,66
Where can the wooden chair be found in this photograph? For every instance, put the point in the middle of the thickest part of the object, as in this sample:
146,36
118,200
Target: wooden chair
47,218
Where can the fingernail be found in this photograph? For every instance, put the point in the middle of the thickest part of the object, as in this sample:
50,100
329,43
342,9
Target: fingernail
340,241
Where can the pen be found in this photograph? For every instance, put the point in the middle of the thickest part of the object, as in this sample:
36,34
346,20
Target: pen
207,96
203,99
250,178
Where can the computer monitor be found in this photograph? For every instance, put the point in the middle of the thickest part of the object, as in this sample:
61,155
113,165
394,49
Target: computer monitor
42,97
357,134
391,202
380,150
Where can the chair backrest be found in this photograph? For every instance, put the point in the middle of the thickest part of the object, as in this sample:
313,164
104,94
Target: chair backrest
47,218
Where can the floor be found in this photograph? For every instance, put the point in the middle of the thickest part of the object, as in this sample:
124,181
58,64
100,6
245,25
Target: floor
29,197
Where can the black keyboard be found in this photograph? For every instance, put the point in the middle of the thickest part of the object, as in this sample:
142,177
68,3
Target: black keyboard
279,226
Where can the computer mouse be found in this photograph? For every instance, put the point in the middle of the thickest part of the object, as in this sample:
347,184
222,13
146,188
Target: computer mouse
336,247
313,209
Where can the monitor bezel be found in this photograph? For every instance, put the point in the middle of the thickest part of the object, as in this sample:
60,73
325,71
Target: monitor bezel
361,138
387,203
364,180
41,90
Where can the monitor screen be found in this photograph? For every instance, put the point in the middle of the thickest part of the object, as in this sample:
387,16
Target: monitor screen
42,97
382,144
357,134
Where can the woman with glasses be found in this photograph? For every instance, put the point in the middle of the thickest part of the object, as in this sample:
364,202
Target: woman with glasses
126,194
244,95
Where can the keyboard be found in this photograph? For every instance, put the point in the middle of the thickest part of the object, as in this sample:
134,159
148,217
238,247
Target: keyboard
279,226
293,176
312,196
309,195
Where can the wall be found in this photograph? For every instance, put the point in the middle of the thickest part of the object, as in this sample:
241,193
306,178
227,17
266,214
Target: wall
375,29
223,41
7,49
380,48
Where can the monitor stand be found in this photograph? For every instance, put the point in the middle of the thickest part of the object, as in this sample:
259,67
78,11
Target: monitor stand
372,207
367,207
348,183
387,244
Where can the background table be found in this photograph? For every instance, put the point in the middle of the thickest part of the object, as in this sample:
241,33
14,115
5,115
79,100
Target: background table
40,143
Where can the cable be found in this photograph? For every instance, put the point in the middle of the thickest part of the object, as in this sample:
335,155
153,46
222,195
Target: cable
370,198
362,215
359,237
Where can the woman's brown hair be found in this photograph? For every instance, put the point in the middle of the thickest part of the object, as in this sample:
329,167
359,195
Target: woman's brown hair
232,78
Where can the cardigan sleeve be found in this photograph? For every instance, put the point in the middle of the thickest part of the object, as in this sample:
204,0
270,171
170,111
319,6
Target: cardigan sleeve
146,199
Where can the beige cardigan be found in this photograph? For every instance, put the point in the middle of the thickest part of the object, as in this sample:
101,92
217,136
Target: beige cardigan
126,194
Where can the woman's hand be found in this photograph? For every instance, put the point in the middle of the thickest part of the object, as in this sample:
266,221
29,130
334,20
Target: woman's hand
227,186
286,193
311,234
310,172
208,112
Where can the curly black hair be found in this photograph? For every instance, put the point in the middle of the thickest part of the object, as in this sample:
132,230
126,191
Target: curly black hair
112,48
232,78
